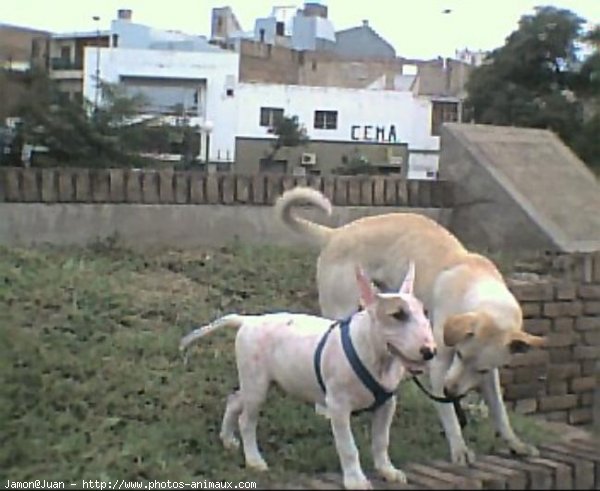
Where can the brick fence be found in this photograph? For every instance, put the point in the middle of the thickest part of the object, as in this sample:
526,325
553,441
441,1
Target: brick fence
560,381
572,464
148,186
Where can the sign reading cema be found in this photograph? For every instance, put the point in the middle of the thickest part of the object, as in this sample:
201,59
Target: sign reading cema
371,133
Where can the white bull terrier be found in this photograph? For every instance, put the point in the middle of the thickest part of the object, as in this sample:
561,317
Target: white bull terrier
341,367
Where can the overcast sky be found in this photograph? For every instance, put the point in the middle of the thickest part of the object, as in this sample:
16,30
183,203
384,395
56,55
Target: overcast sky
416,28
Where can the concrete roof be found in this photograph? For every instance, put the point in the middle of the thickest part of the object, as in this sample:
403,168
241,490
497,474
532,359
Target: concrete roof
550,183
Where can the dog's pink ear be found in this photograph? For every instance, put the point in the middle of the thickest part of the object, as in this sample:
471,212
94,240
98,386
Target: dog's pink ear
409,280
365,287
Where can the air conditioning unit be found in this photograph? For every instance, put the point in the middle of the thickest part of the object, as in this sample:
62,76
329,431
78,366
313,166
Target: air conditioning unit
309,158
394,156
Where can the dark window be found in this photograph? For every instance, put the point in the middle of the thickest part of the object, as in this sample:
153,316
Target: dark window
115,40
229,92
268,115
35,47
325,120
65,53
279,29
273,166
442,112
261,34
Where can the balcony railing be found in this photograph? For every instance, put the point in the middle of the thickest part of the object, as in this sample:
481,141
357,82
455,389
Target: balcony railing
63,64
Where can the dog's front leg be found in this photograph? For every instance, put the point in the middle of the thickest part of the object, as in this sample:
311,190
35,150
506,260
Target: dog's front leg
460,453
382,420
492,395
354,477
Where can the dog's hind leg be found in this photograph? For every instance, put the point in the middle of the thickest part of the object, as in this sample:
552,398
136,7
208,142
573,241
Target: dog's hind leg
230,420
338,293
253,394
380,440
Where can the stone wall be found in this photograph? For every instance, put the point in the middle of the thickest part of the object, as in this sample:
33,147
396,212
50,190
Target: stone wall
560,381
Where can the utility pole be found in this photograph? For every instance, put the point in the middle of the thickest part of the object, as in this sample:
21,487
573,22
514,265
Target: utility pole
97,93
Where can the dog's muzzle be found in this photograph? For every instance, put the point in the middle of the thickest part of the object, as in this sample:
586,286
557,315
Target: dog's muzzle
413,366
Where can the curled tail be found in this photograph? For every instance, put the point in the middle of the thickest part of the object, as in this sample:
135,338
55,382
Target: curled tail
302,196
232,320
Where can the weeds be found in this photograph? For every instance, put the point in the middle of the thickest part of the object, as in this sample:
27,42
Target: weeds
93,387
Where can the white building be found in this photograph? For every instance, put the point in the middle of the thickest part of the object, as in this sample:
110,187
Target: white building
199,85
184,76
303,29
350,117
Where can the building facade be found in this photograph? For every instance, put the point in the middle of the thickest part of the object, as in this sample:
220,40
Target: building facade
390,130
377,109
197,88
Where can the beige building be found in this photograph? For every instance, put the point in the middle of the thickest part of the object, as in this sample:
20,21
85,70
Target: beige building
319,157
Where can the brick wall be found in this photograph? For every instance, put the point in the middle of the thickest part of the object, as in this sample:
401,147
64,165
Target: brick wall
187,187
561,380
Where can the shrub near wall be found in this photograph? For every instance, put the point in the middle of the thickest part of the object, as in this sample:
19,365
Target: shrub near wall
149,186
560,381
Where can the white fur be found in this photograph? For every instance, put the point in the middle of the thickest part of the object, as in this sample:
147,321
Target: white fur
280,348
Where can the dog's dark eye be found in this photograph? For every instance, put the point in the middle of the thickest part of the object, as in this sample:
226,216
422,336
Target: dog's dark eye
459,355
400,315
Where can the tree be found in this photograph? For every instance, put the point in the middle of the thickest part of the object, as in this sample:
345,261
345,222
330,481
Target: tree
289,132
538,80
77,134
355,164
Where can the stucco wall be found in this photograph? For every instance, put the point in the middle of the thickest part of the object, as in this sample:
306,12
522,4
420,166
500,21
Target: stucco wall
139,226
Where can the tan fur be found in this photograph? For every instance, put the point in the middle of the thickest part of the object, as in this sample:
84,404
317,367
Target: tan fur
474,313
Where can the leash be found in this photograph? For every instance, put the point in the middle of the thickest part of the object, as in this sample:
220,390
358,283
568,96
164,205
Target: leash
460,412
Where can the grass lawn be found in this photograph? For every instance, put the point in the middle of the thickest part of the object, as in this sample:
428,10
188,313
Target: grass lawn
92,385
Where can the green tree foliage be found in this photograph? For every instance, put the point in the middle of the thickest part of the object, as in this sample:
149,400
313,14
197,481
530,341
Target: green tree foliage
289,133
537,80
355,164
77,134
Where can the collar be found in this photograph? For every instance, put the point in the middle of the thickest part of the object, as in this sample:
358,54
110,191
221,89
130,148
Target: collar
380,394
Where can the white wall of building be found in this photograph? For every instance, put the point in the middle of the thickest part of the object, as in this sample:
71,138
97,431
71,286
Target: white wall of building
218,71
363,115
139,36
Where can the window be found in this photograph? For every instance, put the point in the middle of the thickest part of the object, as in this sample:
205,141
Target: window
280,29
325,120
268,115
273,166
442,112
65,53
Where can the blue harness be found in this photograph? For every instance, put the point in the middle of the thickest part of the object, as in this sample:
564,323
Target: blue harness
379,393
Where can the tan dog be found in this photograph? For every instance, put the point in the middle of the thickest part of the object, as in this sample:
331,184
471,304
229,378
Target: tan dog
477,322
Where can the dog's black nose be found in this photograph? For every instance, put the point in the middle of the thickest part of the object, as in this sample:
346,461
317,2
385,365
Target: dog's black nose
428,353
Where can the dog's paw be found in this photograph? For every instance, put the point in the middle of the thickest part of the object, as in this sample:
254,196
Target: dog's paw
230,442
357,483
522,449
257,464
391,474
321,410
462,455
